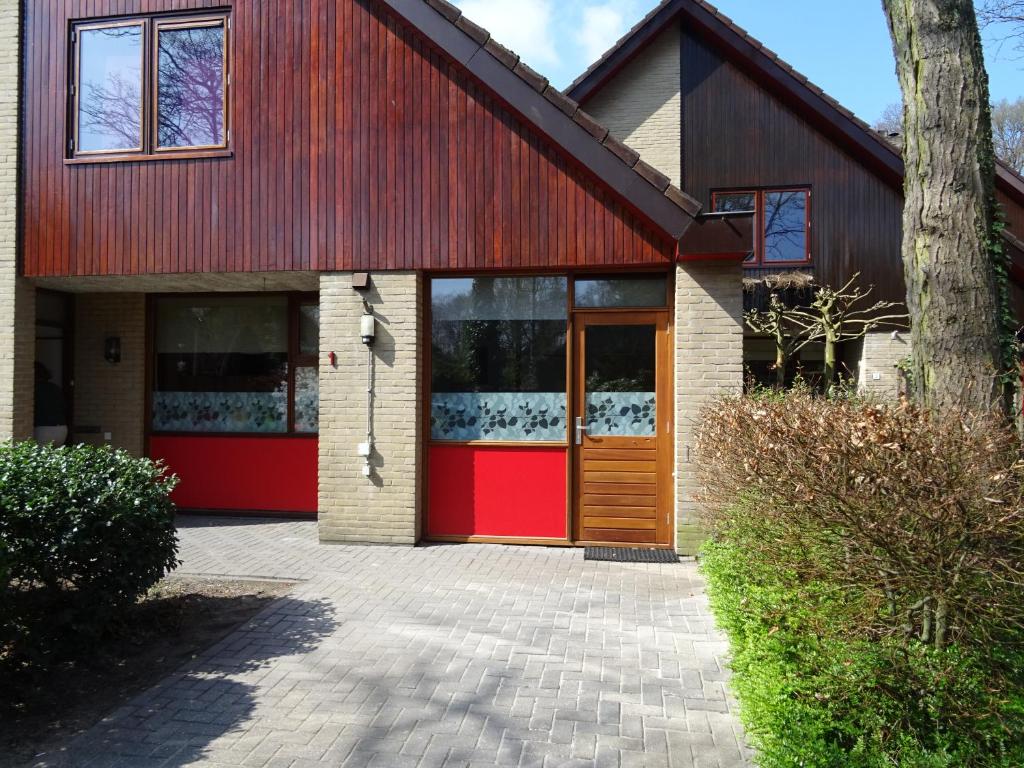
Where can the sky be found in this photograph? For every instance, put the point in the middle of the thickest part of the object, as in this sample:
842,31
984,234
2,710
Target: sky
841,45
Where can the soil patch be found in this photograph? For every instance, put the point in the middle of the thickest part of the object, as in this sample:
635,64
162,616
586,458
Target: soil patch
180,618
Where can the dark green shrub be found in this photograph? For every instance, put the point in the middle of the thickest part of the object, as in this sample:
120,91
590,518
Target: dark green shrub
83,532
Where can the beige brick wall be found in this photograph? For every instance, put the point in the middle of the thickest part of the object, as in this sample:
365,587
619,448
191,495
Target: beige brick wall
17,306
708,363
642,105
877,373
110,396
384,508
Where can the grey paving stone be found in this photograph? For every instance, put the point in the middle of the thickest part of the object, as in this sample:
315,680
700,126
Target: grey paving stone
462,655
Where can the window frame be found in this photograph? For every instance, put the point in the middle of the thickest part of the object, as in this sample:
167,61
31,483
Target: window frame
296,359
758,260
151,26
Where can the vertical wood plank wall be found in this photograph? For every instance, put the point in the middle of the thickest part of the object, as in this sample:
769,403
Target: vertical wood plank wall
356,146
736,134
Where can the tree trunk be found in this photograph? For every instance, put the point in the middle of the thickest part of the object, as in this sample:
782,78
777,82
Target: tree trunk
780,361
829,372
952,292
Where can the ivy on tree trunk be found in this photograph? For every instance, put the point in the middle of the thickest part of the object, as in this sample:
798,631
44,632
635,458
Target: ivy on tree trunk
954,296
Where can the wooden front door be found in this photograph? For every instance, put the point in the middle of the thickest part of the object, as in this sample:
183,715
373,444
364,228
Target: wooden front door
622,429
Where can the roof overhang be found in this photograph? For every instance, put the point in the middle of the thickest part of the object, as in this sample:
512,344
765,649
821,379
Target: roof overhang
719,237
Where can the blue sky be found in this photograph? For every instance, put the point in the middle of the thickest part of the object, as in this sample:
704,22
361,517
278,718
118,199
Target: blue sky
841,45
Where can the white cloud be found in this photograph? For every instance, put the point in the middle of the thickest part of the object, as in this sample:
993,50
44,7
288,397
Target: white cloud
525,26
602,26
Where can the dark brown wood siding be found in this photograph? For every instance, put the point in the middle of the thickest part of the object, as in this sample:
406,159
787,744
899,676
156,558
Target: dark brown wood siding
356,146
736,134
1014,214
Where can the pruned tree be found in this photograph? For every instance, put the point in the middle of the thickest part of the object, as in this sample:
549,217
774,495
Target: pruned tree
776,320
891,120
956,289
1009,15
840,315
1008,132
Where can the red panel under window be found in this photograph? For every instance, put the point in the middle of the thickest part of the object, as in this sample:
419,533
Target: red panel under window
239,474
497,491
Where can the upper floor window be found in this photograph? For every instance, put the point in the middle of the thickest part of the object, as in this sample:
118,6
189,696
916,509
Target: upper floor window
149,85
783,222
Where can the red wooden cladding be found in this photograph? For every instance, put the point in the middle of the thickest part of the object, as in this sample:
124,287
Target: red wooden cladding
355,146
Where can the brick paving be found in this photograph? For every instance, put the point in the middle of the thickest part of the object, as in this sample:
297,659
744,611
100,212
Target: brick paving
462,655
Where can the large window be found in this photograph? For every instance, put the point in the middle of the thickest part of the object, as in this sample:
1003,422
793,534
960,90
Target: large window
123,106
236,364
783,223
498,358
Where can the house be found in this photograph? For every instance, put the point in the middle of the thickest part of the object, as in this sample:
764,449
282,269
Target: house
352,258
738,128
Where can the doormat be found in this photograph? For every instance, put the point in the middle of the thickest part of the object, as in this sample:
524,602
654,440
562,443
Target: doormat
630,555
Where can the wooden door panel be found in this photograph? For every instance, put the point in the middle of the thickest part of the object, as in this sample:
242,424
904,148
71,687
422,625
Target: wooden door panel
617,466
619,536
632,478
598,511
619,500
620,523
611,489
621,454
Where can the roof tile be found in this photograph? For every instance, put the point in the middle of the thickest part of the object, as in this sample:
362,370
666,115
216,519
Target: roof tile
621,151
536,80
560,100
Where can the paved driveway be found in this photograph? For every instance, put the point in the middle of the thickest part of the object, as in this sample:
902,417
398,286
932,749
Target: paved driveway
461,655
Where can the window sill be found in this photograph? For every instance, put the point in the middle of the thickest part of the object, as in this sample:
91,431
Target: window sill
199,154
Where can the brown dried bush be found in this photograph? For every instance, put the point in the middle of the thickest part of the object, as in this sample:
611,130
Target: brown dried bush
918,517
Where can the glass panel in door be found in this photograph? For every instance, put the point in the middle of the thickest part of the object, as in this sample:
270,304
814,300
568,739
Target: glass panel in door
620,380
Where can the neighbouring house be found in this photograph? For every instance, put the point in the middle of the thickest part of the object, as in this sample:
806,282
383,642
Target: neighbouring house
352,258
739,129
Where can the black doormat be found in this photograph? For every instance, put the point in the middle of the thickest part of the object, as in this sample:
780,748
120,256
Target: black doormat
630,555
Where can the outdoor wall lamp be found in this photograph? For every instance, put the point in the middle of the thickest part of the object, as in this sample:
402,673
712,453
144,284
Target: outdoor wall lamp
112,349
368,328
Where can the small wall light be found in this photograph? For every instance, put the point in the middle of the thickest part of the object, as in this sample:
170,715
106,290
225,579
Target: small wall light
112,349
367,328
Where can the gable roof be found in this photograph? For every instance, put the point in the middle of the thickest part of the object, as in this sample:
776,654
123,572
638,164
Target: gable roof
765,66
555,115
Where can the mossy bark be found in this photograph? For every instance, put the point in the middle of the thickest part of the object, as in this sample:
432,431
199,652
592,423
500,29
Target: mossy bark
952,295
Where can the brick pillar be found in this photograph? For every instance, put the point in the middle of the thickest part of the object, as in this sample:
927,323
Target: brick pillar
110,398
385,507
877,373
708,363
17,297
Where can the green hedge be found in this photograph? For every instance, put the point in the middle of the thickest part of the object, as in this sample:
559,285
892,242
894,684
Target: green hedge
83,532
812,696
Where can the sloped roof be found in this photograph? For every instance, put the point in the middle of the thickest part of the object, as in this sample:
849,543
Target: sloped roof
551,112
809,100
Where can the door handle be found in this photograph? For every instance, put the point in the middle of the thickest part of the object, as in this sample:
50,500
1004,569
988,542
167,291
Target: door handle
580,429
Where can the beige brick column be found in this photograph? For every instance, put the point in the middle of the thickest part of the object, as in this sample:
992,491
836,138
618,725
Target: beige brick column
385,507
17,297
877,371
110,398
708,363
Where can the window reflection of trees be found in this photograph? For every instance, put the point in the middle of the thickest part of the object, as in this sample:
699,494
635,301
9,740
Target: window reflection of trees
500,335
110,110
190,88
190,109
785,229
